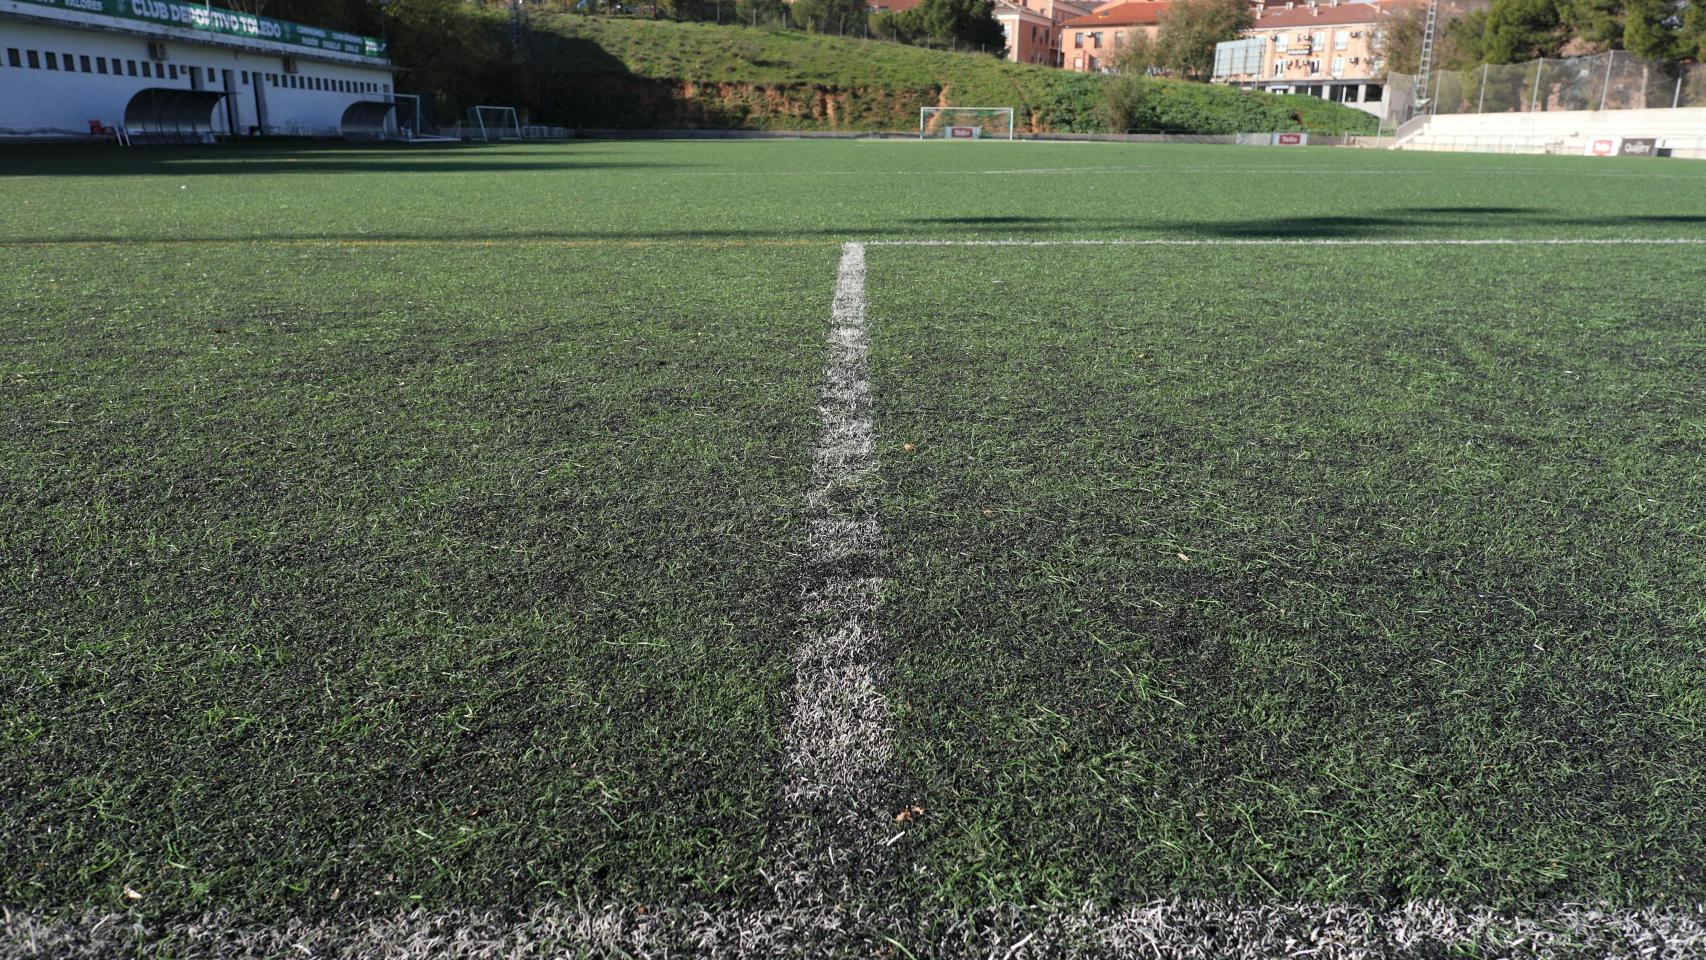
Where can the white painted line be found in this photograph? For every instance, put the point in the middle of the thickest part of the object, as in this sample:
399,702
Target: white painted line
837,738
1308,242
1174,929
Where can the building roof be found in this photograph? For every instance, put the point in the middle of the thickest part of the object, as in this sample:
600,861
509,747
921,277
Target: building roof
1137,14
1307,14
1007,8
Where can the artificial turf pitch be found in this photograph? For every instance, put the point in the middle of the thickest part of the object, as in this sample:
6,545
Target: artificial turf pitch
388,531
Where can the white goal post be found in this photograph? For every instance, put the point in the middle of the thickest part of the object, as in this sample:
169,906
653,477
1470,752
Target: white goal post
491,124
966,123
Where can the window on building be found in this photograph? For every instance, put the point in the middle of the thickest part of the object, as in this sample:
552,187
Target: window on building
1078,63
1279,40
1077,41
1338,65
1096,39
1341,40
1318,38
35,59
130,67
1372,93
172,70
147,69
100,64
52,60
13,57
84,59
68,62
1119,39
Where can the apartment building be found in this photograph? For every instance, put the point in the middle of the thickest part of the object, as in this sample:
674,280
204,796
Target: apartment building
1033,28
1328,49
1090,43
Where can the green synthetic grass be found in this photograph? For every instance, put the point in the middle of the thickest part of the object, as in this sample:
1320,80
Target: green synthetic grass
394,580
388,528
1255,590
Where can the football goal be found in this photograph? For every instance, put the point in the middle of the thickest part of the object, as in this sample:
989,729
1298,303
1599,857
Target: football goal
490,124
965,123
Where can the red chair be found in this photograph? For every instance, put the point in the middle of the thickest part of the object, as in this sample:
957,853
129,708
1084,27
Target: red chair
99,129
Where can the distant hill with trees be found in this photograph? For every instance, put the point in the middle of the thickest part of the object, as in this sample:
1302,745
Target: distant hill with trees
1514,31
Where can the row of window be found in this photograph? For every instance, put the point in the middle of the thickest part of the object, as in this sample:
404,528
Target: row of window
1313,66
1318,39
114,66
296,81
1341,93
83,63
1096,39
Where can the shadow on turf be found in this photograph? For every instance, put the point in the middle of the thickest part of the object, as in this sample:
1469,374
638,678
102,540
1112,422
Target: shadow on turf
265,158
1401,224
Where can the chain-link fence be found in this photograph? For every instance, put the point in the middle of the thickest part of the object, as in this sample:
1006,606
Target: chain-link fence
1604,81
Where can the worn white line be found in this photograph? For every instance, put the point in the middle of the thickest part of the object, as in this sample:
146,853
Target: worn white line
837,737
1306,242
1171,928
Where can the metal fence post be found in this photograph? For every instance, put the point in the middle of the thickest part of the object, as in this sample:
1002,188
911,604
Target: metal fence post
1482,106
1534,98
1610,58
1676,99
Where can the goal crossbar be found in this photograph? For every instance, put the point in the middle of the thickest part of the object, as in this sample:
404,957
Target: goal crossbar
930,121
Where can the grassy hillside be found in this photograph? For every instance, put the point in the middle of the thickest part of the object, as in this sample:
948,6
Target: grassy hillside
610,72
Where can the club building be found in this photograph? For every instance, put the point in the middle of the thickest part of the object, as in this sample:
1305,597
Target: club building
166,71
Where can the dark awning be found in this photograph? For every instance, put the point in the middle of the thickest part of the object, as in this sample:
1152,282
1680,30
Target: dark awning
365,120
165,114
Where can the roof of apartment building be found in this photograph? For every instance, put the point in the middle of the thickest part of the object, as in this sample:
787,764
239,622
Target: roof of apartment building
1138,14
1310,13
1007,8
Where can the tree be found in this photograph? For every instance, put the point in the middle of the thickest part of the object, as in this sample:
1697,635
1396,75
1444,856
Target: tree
1141,55
1596,22
1519,30
943,23
761,13
1400,40
968,22
1468,35
1649,29
829,16
1691,36
1191,28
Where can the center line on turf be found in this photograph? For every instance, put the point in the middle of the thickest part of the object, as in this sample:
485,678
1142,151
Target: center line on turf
837,737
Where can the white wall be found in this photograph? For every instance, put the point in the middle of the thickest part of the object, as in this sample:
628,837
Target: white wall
1565,131
36,102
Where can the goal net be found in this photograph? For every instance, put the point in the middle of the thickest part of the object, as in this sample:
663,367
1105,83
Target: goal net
966,123
491,124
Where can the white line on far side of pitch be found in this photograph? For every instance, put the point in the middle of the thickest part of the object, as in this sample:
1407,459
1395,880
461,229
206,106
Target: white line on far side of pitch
1306,242
837,737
